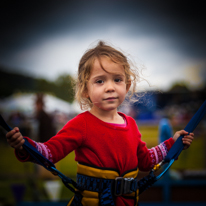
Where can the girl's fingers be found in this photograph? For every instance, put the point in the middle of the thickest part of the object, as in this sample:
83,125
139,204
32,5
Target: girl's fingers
189,136
180,133
19,145
187,140
9,134
14,137
12,132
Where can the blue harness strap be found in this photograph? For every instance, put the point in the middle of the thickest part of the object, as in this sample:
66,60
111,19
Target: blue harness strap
41,160
173,153
178,145
36,155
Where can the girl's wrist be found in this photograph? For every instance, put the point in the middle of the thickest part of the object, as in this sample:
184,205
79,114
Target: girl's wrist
21,151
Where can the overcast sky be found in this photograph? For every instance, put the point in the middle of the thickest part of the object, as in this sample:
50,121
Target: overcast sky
48,38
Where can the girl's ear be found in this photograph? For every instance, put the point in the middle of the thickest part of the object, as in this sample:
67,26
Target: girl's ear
128,85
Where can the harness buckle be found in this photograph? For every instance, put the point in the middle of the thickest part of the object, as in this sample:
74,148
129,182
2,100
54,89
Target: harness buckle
119,186
127,185
122,186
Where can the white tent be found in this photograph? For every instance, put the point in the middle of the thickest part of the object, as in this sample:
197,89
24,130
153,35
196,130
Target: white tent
26,103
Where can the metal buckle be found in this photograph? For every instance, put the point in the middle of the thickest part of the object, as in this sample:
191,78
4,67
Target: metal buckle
127,185
122,186
119,186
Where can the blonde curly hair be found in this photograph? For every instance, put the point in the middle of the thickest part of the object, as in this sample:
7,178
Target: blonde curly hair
86,64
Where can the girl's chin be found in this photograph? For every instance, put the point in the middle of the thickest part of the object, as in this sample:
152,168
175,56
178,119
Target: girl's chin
106,108
109,109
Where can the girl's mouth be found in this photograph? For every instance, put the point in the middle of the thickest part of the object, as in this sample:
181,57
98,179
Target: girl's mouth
111,98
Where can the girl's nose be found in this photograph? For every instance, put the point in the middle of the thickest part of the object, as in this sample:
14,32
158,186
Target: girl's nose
110,87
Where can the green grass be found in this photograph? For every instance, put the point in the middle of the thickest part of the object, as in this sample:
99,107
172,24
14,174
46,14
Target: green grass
190,159
14,172
149,135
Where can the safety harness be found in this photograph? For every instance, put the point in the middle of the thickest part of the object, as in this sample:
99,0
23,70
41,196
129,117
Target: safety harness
100,184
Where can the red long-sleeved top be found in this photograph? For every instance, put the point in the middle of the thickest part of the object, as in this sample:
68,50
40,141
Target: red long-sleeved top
102,144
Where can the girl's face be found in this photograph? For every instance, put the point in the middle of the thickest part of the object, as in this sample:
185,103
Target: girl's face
107,88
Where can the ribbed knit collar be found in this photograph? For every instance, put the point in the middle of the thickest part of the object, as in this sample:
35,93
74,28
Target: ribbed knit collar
106,124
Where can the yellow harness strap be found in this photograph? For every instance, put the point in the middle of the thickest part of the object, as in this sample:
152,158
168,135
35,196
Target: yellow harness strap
89,198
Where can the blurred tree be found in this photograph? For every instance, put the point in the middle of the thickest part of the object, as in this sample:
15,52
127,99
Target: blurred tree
45,86
65,86
12,82
180,87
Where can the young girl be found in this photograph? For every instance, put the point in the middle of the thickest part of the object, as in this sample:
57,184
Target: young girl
107,143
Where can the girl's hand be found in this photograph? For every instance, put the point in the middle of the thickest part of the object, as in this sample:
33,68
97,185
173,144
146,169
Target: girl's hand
15,139
187,139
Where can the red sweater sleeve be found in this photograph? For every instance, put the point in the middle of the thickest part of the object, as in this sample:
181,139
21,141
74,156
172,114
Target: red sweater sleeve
70,137
24,156
147,158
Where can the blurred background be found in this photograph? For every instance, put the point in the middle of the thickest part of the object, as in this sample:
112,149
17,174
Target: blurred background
41,43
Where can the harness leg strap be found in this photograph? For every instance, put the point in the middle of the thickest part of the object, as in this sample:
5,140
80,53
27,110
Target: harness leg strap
106,198
76,200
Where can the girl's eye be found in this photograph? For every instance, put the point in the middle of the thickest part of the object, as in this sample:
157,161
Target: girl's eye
117,80
99,81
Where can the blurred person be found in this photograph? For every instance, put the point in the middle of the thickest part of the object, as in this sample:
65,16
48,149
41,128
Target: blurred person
46,128
107,143
20,120
16,118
